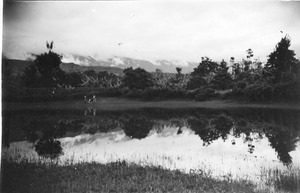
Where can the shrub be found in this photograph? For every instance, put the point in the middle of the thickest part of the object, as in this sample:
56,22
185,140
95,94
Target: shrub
132,93
287,91
162,93
196,83
222,80
137,78
205,94
267,92
259,92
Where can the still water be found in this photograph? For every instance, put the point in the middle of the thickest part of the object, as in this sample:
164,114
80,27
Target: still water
237,143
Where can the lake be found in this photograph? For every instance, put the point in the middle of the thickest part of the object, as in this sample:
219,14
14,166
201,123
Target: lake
238,143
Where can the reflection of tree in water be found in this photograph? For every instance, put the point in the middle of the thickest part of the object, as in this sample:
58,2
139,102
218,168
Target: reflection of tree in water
137,128
251,125
179,131
210,130
90,128
283,141
49,148
43,136
201,128
223,125
90,111
241,127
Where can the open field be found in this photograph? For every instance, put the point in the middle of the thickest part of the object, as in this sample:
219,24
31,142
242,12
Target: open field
114,104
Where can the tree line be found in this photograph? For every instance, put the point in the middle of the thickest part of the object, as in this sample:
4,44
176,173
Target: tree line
250,79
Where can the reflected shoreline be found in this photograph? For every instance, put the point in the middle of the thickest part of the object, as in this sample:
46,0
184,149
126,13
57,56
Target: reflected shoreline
279,127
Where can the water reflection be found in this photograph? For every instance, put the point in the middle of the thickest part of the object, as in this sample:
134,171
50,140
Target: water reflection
90,111
49,148
45,129
44,137
211,129
283,142
137,128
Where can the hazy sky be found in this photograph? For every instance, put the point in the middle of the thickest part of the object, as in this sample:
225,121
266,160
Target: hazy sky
150,30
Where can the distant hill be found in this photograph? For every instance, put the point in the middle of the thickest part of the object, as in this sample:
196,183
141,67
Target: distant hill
18,66
71,67
79,63
15,66
125,62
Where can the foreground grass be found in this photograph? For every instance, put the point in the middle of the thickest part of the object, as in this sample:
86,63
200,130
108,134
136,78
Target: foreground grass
112,177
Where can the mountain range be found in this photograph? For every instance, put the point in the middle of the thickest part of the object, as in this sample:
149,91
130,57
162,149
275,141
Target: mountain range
78,63
125,62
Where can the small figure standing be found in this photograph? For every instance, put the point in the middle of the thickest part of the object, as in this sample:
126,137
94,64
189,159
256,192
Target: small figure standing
85,100
94,98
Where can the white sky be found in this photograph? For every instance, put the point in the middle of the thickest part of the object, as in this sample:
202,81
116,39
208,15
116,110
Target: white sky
151,30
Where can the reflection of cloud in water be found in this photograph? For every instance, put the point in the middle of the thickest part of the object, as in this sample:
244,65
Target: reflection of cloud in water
89,139
184,152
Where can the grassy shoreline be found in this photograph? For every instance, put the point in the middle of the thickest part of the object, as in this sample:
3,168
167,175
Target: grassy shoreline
112,177
115,104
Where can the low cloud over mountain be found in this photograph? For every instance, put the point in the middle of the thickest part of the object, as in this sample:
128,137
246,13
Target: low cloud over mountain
125,62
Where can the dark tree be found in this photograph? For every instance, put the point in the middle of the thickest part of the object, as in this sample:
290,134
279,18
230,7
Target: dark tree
282,62
222,79
178,71
45,69
47,62
201,75
137,78
206,67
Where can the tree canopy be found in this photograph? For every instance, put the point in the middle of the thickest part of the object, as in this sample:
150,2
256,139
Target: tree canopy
137,78
282,62
45,70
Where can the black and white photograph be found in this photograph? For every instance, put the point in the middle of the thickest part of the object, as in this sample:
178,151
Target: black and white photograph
150,96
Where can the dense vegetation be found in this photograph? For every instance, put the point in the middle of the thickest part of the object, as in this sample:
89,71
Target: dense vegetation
251,80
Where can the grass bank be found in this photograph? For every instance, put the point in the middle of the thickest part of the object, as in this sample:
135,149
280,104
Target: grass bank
115,104
112,177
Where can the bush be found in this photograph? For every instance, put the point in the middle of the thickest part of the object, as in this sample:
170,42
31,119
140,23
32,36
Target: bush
133,94
287,91
137,78
276,92
196,83
204,94
154,94
259,92
162,93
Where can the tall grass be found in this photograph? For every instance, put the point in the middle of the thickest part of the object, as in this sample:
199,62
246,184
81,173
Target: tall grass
112,177
50,175
287,181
